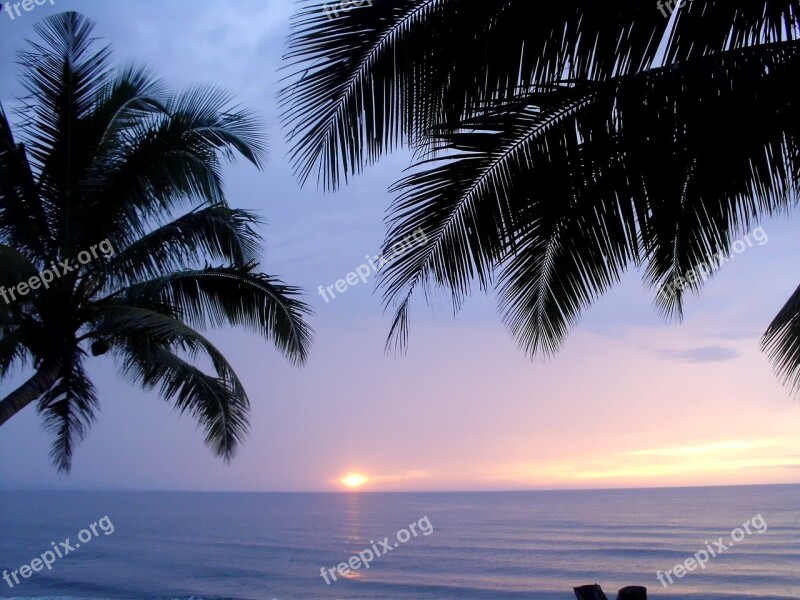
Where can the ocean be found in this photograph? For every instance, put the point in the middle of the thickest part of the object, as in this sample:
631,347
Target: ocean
505,545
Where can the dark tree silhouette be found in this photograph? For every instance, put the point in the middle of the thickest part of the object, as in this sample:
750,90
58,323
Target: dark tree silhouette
109,156
557,144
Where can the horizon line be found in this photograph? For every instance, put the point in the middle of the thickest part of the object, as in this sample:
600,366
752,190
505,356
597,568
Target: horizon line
374,492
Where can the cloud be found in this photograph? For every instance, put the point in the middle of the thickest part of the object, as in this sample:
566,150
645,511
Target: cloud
702,354
714,448
782,467
662,465
405,476
740,335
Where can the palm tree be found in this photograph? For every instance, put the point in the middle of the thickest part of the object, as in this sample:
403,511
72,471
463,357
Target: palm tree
556,144
108,159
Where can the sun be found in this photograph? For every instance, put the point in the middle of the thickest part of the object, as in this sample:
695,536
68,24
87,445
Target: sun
354,480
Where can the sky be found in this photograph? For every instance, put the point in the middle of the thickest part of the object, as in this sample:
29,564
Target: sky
630,401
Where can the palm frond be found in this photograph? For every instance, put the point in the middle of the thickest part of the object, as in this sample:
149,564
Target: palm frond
714,26
565,188
215,232
387,74
23,219
343,102
68,408
12,353
222,296
781,342
148,343
166,160
212,123
14,266
63,75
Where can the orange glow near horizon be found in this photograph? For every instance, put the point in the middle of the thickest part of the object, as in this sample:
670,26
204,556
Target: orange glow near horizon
720,462
354,480
695,462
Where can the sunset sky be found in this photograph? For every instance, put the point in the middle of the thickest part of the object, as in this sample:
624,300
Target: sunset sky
630,401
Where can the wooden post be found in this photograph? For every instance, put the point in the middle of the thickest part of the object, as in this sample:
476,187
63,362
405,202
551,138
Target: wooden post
595,592
590,592
633,592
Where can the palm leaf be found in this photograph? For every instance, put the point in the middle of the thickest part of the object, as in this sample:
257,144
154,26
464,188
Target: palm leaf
782,342
218,232
148,344
68,408
565,190
212,401
225,296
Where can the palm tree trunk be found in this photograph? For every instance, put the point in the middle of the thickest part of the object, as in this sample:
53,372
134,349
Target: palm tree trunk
38,384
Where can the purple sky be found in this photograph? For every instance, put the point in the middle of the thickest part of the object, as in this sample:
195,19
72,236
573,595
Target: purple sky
630,401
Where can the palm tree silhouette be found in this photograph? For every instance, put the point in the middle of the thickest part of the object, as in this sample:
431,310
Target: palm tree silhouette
108,156
556,144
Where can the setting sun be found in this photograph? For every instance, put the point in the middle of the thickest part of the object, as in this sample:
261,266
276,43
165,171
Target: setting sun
354,480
